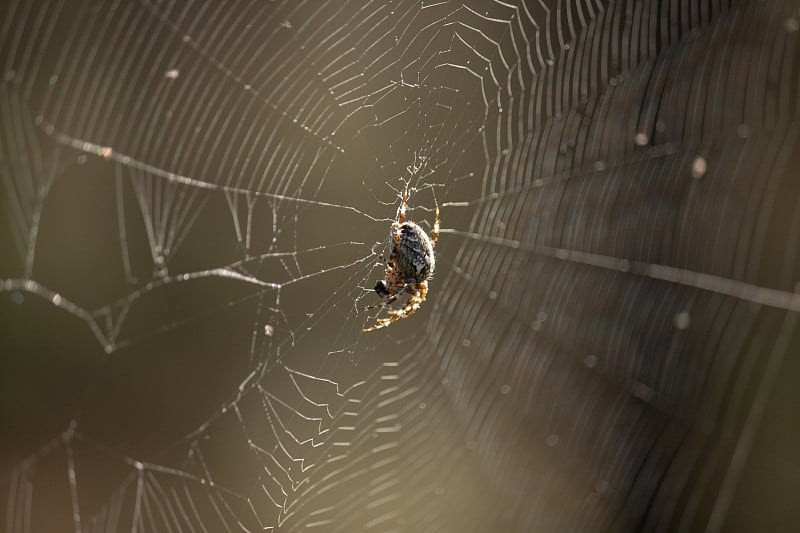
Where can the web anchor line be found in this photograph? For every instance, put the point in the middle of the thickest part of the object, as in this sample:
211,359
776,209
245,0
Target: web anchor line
107,152
779,299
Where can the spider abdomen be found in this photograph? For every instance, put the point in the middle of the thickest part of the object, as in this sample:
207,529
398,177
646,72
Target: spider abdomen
414,258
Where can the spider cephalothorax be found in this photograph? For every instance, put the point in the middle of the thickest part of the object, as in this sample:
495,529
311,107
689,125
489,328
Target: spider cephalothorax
409,268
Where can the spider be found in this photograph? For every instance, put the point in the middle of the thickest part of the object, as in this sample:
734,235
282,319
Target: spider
409,268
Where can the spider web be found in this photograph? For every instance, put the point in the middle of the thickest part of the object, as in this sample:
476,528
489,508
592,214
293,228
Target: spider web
194,194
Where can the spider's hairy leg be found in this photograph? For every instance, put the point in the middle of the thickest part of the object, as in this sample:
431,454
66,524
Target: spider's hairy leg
413,303
382,323
384,303
402,217
435,234
393,295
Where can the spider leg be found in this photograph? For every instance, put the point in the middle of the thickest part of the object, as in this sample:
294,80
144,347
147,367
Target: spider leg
435,234
384,303
403,288
402,217
411,306
382,323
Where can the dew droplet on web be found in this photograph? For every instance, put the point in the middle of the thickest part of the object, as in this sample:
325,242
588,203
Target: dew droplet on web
743,131
172,74
641,139
699,167
269,330
590,361
682,320
642,391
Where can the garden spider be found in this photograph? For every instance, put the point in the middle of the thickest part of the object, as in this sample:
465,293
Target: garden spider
409,268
